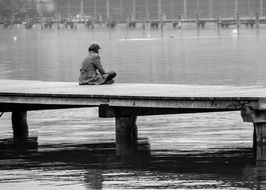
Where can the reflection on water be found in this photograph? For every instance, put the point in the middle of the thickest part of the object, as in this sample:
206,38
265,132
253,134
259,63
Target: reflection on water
203,151
95,166
76,148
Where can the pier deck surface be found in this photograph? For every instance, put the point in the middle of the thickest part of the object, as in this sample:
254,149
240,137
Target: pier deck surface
26,92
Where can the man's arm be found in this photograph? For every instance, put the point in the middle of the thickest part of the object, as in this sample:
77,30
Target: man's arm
97,62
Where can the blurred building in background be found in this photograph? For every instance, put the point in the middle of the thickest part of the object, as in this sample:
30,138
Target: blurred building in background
153,9
18,8
121,10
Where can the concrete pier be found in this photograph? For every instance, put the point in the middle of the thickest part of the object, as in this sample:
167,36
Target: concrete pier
126,135
125,102
260,133
20,125
258,118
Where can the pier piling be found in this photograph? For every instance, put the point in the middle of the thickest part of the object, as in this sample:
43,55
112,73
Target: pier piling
237,20
125,102
218,18
20,126
258,117
197,21
257,20
260,133
126,135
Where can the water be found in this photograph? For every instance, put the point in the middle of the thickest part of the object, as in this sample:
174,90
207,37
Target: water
76,149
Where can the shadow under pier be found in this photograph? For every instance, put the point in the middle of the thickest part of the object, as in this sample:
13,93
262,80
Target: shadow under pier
93,164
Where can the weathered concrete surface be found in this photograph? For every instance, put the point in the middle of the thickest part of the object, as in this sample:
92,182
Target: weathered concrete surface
126,135
108,111
50,95
258,118
20,125
129,89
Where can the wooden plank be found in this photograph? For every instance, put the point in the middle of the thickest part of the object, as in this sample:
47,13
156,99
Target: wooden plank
124,89
130,95
107,111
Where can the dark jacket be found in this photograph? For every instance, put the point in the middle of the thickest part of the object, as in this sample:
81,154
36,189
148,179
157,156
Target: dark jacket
92,71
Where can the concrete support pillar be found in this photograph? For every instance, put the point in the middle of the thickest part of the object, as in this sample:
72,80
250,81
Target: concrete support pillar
56,7
58,22
161,22
180,23
218,23
81,7
257,21
127,23
260,140
143,25
236,7
223,9
133,16
172,10
95,9
126,135
108,10
20,126
198,20
12,21
57,14
42,23
198,9
147,10
237,20
249,13
260,134
159,9
258,118
121,9
261,7
33,4
185,9
68,8
210,8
